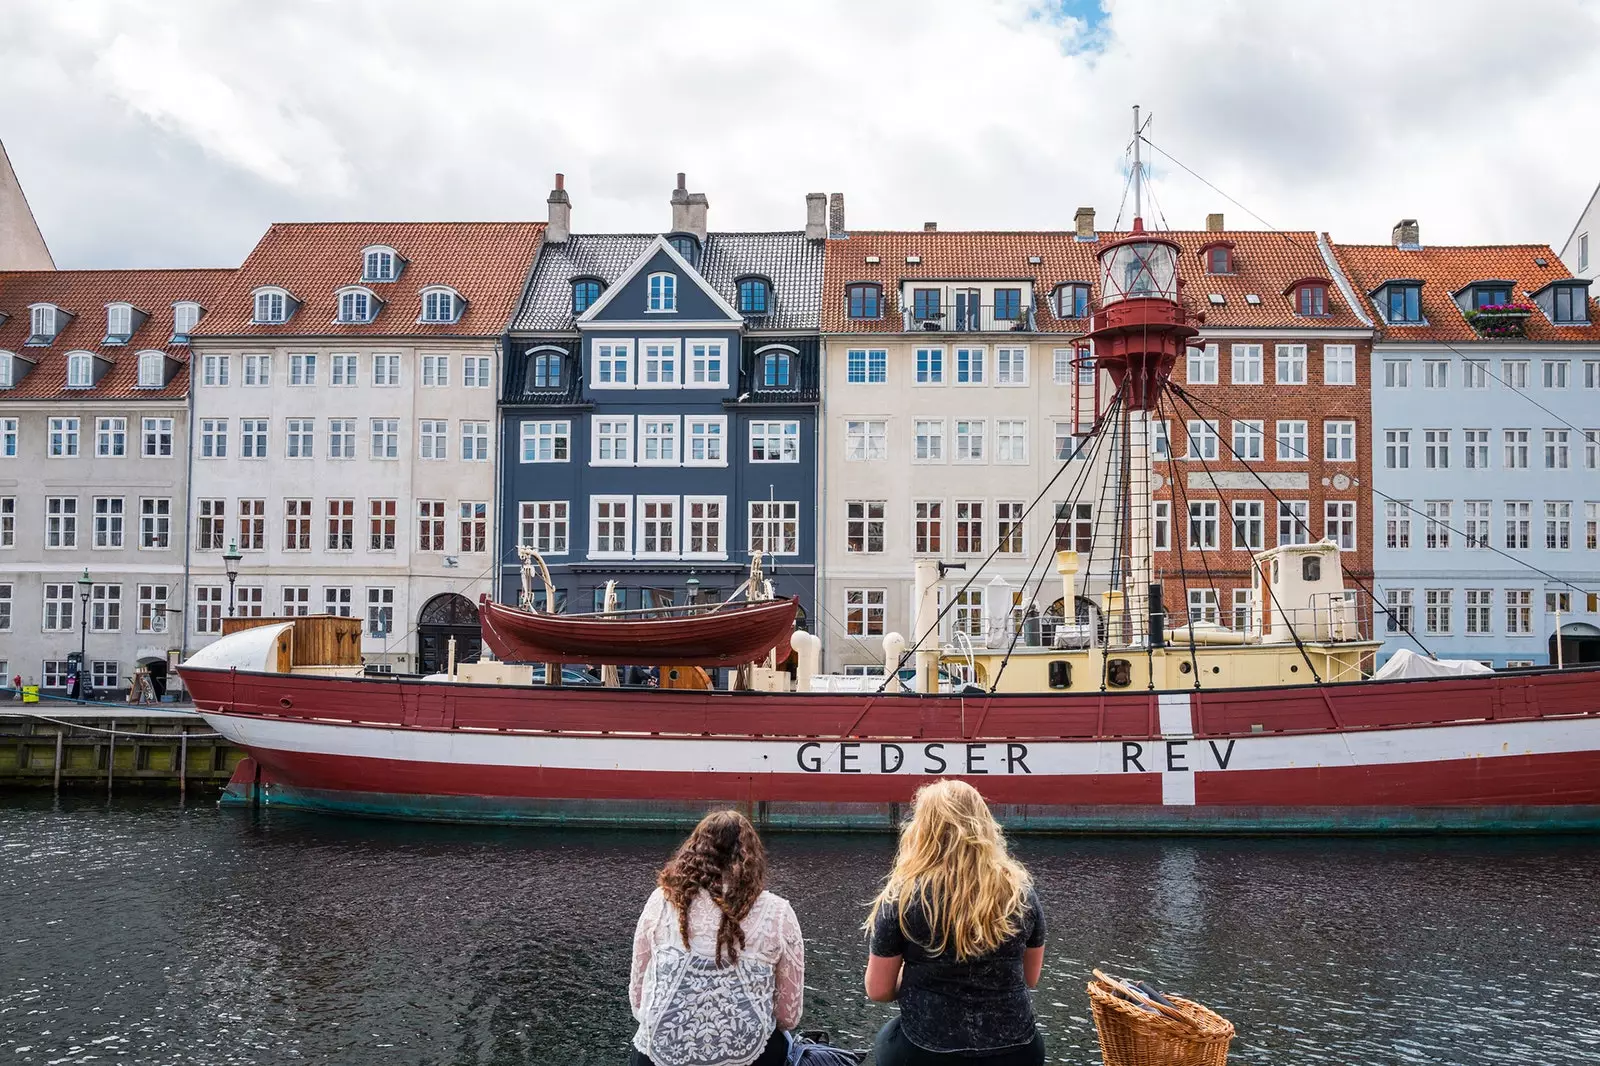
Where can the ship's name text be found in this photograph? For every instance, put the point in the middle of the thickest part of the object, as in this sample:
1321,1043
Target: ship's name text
940,757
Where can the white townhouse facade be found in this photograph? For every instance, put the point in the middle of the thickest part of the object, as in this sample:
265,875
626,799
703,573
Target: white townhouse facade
94,430
1486,451
345,431
1581,252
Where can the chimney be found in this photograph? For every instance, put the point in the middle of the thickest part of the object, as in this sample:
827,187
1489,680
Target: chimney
1084,220
680,207
1407,234
698,206
1214,223
930,227
836,214
816,216
559,228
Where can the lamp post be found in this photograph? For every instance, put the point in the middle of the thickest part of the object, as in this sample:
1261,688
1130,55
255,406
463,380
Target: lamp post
230,559
85,584
692,584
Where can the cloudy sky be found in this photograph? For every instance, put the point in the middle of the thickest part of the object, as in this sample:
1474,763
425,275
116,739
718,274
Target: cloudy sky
171,132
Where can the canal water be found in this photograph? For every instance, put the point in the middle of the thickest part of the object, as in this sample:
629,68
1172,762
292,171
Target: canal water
143,931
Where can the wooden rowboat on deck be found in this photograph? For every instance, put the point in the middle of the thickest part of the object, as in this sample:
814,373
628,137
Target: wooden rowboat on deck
731,635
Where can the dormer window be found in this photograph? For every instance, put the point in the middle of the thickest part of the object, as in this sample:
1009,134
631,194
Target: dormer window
273,306
441,304
776,368
1495,295
45,322
357,306
1404,304
1570,305
185,316
585,291
8,370
925,304
80,370
1072,301
152,370
1311,299
119,323
865,301
663,292
544,371
686,245
1217,257
379,263
753,296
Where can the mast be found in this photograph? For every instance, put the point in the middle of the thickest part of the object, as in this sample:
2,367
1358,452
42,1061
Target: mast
1138,168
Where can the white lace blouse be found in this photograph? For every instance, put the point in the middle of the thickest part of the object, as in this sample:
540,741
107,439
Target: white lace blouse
692,1012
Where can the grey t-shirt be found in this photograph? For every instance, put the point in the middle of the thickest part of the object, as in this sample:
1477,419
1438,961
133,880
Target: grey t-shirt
976,1006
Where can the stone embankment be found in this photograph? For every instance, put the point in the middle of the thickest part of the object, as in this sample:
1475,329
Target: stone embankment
110,746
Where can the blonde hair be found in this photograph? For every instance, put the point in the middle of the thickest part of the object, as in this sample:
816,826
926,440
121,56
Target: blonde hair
954,864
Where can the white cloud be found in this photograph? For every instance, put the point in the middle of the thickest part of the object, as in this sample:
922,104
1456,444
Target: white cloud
173,131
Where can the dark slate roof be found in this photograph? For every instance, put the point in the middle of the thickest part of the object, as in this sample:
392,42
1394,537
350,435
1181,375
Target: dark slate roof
792,263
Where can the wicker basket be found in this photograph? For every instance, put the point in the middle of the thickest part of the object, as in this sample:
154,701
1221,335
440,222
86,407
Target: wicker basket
1131,1036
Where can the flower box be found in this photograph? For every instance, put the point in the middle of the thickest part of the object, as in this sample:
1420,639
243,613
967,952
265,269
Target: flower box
1500,320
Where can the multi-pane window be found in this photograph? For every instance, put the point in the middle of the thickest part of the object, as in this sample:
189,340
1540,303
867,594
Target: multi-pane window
302,368
108,515
930,366
928,527
1480,612
253,525
1011,440
1475,374
1438,530
868,366
864,612
1557,373
105,608
214,369
1339,441
1065,441
1243,609
1476,523
58,606
1062,365
777,369
386,369
969,440
344,370
63,438
1398,612
1161,525
208,608
969,614
613,365
1249,439
475,371
1397,373
80,370
1246,360
1436,373
1436,449
1477,448
774,442
472,526
1558,602
1292,440
1591,449
296,601
338,601
475,442
1514,372
433,438
435,371
775,527
546,442
381,522
8,438
253,438
663,292
866,439
1558,525
302,438
356,307
210,525
1396,449
658,441
1204,440
1339,523
1519,520
613,440
864,301
658,363
213,438
610,528
1516,442
155,523
153,608
1290,364
702,531
61,522
341,438
258,369
1591,525
1203,524
386,438
863,526
1248,524
969,527
544,526
1397,524
1557,449
1011,366
1204,606
341,525
1201,368
969,366
1519,611
1074,529
157,438
8,521
707,363
297,525
1338,364
380,611
704,444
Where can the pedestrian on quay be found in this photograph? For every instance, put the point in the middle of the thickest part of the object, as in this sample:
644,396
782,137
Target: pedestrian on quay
957,938
710,936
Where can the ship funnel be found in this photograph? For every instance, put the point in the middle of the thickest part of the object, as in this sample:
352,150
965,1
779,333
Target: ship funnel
808,649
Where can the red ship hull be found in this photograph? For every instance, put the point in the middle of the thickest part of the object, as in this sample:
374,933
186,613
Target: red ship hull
1500,752
734,634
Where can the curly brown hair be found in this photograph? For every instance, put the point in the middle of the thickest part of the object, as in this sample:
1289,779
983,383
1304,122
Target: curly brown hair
726,858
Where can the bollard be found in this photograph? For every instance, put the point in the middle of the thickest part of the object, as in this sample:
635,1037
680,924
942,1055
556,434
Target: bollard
111,757
58,761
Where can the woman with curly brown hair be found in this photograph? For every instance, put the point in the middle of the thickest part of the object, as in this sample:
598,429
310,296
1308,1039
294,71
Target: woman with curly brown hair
718,962
957,938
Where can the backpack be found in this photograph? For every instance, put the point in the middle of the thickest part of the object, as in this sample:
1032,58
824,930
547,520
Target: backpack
813,1049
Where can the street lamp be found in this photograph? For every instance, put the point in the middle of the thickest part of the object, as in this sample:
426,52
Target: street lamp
230,559
85,584
692,584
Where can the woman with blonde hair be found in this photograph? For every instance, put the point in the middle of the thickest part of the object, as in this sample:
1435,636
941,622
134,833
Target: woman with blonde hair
718,962
957,938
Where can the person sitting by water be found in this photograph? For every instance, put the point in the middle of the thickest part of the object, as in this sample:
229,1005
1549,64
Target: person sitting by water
718,962
958,938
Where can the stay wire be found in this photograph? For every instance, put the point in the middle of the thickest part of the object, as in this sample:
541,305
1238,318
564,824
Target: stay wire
1178,536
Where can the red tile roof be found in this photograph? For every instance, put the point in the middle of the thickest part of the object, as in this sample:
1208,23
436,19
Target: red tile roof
1445,269
1265,264
486,262
84,294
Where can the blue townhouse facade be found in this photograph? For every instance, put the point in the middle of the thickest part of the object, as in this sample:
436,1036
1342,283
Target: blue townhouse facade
659,412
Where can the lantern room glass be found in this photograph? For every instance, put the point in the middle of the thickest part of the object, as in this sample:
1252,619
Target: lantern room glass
1139,269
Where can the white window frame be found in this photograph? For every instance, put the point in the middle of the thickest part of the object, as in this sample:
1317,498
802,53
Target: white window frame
537,430
476,446
663,358
80,370
783,433
433,439
257,370
934,441
341,438
538,523
215,367
119,315
928,365
1289,364
971,447
1338,357
774,514
1250,359
616,358
1018,437
385,436
1200,366
1010,366
1335,440
863,442
596,436
434,370
713,431
971,373
713,353
667,437
278,305
686,519
386,370
627,522
303,368
436,296
1195,449
477,371
661,293
356,306
1397,373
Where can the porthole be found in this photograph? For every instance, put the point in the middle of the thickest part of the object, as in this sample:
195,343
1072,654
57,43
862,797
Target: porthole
1183,668
1119,673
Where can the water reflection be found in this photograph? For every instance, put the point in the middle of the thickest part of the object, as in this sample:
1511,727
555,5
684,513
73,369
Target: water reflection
162,935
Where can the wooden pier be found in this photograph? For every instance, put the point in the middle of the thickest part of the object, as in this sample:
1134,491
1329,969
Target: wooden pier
108,748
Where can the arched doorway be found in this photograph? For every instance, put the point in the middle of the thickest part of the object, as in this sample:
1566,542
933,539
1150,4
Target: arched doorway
445,616
1580,644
